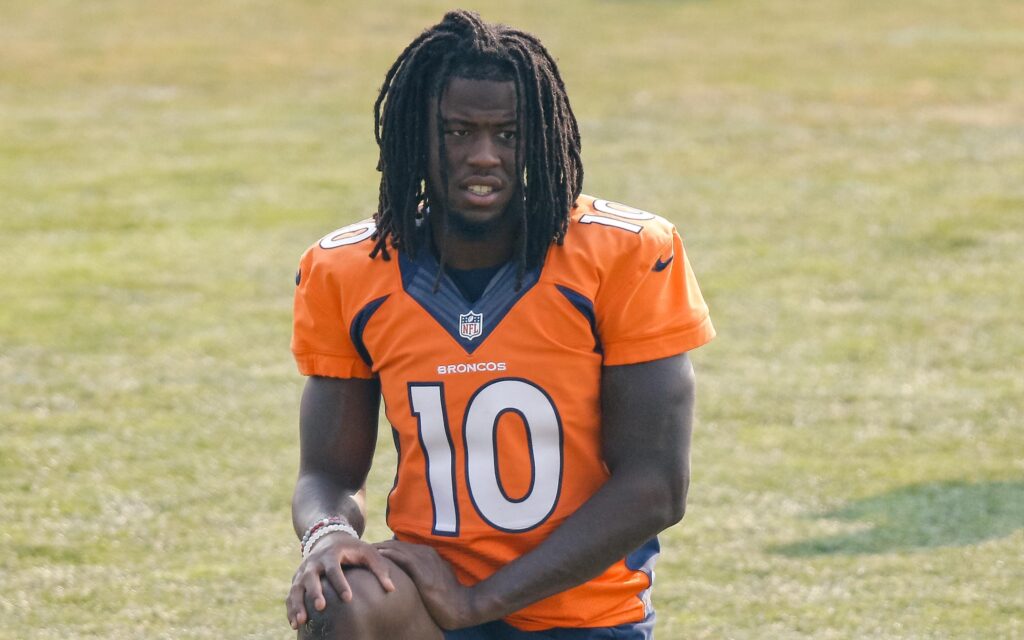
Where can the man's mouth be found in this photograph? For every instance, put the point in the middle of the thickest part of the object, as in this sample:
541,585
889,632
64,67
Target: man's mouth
480,189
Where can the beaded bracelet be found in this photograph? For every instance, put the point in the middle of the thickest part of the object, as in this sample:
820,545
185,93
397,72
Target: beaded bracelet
323,531
317,525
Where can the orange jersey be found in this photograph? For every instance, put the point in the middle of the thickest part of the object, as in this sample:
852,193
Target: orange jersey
495,404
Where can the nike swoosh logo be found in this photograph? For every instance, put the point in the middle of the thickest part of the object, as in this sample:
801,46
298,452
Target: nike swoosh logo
660,266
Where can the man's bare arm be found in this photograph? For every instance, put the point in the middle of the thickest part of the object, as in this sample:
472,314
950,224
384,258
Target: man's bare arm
338,433
647,416
337,436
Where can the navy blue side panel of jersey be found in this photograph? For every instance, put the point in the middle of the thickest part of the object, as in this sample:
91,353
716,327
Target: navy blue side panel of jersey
448,303
355,330
394,485
644,557
586,307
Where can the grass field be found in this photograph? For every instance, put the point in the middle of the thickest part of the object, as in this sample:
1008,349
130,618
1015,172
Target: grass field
849,179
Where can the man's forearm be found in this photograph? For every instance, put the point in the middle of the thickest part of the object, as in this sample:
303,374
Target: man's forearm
627,511
645,494
317,496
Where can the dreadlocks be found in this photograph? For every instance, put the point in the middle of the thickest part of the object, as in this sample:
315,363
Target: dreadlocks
549,167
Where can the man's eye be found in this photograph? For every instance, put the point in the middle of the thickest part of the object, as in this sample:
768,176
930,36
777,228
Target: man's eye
508,135
458,133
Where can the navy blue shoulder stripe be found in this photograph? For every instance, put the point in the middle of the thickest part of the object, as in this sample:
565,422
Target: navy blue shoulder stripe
586,307
355,330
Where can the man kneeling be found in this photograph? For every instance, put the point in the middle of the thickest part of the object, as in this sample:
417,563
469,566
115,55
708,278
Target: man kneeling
530,346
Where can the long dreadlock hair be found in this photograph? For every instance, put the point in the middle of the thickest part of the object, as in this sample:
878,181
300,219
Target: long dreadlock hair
548,163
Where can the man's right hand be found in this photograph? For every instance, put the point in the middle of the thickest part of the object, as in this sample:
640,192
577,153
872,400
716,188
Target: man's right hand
327,558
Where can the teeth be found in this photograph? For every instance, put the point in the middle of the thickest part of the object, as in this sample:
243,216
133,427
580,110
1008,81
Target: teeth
479,189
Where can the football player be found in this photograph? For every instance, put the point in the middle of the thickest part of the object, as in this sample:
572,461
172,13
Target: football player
530,346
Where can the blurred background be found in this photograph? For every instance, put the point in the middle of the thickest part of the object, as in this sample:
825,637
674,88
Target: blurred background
848,177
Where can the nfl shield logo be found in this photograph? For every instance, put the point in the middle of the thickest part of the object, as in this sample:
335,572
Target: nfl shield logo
471,325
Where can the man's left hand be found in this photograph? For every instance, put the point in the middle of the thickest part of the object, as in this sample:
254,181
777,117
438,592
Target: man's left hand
449,602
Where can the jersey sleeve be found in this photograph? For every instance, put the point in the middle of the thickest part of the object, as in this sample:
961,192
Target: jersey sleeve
656,314
320,336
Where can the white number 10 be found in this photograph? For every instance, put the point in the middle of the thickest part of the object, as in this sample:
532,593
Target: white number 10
621,214
480,430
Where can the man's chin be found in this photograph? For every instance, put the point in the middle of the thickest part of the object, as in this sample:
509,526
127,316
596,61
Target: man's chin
463,226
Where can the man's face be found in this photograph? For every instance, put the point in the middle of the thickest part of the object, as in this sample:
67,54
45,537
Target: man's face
480,137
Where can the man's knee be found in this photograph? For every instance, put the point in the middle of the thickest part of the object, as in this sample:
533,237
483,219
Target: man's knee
366,615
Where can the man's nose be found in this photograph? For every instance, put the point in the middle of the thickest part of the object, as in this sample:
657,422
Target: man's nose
484,152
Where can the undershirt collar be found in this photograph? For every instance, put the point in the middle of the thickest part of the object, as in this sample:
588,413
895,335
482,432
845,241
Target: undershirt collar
473,282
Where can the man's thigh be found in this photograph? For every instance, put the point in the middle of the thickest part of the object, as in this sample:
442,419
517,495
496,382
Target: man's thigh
372,612
499,630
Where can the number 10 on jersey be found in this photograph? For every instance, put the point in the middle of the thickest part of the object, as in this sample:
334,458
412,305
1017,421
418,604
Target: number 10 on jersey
480,454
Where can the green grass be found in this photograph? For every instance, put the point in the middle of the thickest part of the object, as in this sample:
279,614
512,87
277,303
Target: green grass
847,176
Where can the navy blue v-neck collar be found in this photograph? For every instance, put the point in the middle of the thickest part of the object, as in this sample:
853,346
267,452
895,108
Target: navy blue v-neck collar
450,308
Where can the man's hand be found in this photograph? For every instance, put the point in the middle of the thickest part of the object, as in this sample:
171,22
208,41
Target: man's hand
449,602
326,559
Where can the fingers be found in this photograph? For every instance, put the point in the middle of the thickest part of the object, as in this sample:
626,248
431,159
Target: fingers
404,551
390,544
295,604
397,555
374,562
307,587
336,577
392,549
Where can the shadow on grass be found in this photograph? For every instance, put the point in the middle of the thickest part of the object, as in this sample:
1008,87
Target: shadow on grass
922,516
